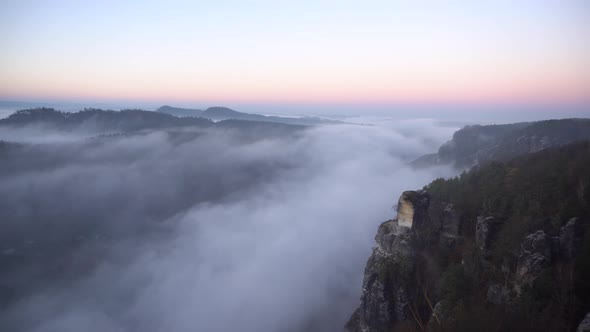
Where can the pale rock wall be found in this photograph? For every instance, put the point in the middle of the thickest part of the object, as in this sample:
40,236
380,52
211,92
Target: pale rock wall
405,211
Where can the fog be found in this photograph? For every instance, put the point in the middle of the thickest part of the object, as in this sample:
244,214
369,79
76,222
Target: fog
199,230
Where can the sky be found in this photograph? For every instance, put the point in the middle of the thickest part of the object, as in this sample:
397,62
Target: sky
353,53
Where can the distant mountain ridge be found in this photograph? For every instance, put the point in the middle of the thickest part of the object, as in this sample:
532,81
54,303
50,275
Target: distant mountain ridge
478,144
180,112
218,113
131,120
125,120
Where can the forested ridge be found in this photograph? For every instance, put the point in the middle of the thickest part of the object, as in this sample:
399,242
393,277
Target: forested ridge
548,191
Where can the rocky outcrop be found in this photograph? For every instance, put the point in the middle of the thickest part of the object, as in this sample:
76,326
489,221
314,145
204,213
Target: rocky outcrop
385,287
538,252
405,211
486,232
571,237
412,208
584,324
534,258
388,284
449,228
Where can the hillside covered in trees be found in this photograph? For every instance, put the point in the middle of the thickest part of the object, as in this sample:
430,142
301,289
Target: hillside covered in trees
219,113
546,194
502,247
98,121
478,144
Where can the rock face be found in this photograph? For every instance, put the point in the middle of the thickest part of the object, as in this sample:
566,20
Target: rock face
535,256
538,251
388,284
449,227
585,324
405,211
486,231
571,237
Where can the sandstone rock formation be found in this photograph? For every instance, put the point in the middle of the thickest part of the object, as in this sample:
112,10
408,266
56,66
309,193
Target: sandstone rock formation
388,284
535,256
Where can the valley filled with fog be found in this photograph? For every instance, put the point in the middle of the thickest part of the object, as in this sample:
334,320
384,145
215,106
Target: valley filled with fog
226,228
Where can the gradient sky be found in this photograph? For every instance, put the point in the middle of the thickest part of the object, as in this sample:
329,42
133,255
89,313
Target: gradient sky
427,52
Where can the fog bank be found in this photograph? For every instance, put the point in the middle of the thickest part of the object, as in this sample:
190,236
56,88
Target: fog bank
201,231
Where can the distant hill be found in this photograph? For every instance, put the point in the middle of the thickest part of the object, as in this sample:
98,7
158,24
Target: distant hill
478,144
218,113
180,112
101,121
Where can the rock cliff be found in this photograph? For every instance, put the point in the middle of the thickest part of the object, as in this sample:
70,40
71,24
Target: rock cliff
389,285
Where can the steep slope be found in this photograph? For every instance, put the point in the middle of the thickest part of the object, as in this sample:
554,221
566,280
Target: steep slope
505,246
478,144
